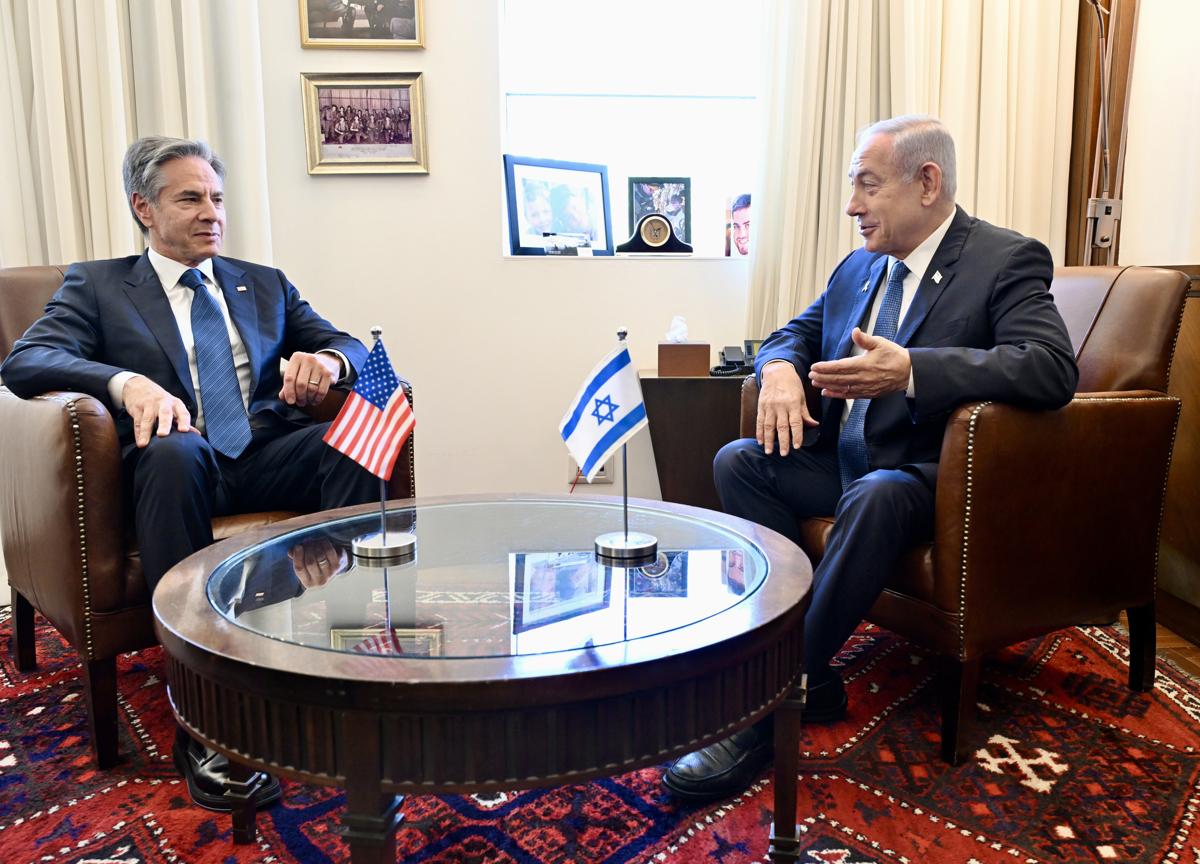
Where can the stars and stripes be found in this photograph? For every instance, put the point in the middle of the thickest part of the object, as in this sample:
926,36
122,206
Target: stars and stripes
376,420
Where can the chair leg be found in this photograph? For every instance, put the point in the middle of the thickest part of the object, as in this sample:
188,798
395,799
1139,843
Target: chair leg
1142,645
100,686
24,638
959,682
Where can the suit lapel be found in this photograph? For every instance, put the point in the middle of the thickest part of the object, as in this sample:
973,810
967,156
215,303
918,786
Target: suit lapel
243,310
145,291
862,302
930,288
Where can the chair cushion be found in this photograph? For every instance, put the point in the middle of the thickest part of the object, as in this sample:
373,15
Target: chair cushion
913,577
224,527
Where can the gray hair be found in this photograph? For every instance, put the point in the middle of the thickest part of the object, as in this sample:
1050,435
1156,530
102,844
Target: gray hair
917,139
142,168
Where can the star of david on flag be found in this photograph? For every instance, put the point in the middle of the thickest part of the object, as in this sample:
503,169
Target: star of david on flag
607,411
376,420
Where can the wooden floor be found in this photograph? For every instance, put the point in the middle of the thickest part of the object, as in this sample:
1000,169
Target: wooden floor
1178,650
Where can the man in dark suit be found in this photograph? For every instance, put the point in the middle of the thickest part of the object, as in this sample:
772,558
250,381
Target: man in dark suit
185,348
938,308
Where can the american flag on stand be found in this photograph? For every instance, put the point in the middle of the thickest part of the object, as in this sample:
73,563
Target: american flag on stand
376,420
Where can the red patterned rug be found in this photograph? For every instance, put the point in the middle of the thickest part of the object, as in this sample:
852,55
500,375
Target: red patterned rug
1069,766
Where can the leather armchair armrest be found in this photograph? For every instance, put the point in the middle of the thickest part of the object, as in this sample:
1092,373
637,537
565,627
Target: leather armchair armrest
749,420
1050,518
60,507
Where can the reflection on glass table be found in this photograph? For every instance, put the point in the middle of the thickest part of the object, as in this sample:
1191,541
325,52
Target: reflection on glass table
497,578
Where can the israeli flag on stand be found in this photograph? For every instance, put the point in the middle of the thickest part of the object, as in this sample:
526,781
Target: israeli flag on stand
606,413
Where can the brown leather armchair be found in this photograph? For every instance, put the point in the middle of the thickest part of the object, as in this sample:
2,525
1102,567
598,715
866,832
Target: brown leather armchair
68,546
1044,519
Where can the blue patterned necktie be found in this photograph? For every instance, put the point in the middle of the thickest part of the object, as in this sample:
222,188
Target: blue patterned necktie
225,422
852,446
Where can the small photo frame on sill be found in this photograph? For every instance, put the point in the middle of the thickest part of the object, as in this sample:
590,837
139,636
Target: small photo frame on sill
364,123
549,197
371,24
670,196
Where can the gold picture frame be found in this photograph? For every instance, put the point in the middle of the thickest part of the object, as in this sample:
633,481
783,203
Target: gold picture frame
364,123
398,642
339,24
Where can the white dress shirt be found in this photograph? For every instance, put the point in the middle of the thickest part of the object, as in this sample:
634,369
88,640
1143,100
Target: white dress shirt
917,263
180,297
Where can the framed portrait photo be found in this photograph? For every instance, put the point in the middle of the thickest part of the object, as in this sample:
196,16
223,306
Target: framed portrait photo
670,196
549,587
364,123
548,199
362,24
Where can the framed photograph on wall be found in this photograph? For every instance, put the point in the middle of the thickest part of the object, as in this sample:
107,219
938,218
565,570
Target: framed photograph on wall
547,197
670,196
362,24
362,123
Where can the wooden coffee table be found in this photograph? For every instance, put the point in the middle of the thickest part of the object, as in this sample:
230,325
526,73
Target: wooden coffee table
504,657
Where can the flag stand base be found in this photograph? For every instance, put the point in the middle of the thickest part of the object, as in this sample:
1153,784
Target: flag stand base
393,547
619,549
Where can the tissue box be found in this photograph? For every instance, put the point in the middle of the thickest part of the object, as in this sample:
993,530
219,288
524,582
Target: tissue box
683,360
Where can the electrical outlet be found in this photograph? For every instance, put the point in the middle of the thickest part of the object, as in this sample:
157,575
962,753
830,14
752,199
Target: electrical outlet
604,475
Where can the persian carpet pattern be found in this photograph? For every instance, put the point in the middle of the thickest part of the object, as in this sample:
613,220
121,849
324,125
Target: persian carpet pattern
1067,766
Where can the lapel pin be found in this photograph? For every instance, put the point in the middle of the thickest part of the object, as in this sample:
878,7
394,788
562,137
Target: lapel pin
937,279
243,287
866,285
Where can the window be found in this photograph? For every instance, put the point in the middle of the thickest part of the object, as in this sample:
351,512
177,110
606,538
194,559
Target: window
650,88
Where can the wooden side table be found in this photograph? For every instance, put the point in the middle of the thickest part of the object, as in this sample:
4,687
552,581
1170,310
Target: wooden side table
690,420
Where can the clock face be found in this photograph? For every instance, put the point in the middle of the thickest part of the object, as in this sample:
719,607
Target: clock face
656,230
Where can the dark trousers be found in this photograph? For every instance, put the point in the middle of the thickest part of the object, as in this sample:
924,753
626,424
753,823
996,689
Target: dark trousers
178,483
875,520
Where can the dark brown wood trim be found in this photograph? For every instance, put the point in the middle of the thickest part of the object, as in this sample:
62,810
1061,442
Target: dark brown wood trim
1085,125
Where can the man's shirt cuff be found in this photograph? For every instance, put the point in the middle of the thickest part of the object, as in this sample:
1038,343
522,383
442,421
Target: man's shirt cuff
116,388
348,370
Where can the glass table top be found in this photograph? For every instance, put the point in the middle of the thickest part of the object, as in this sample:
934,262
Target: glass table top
489,579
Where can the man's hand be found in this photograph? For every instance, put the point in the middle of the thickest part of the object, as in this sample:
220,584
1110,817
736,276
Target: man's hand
884,369
148,403
782,411
308,378
315,562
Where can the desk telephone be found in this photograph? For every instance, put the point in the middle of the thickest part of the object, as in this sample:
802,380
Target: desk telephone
733,362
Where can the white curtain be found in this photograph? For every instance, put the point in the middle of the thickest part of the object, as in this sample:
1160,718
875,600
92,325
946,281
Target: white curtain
81,79
999,73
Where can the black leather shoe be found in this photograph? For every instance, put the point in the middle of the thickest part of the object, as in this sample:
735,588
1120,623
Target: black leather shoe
206,772
723,769
826,703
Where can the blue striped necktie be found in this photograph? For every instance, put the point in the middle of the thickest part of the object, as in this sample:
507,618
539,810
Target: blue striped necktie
852,445
225,422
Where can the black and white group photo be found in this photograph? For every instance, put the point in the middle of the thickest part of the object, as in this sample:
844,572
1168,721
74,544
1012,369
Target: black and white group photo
390,20
360,123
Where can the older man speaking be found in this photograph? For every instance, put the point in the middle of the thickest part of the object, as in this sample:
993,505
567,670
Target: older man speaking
936,309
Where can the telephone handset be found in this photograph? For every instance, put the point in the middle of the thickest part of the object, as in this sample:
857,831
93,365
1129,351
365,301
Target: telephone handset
733,362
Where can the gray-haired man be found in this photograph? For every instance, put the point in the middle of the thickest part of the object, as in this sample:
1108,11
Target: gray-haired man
938,308
184,348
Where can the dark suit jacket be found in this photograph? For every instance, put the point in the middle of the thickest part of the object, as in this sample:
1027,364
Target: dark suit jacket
987,329
111,316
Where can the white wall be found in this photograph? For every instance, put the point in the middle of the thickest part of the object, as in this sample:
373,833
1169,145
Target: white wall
1161,219
495,347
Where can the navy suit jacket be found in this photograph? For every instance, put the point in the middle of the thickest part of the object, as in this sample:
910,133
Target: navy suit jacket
111,316
986,329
